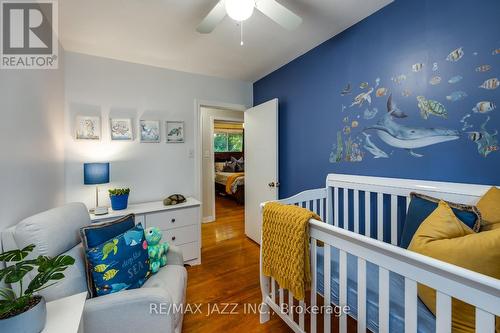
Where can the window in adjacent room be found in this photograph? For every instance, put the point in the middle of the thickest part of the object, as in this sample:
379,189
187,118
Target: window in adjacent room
228,137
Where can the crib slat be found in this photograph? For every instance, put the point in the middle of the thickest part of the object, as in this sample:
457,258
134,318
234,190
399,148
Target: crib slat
315,206
290,305
410,306
485,321
361,295
273,290
342,289
281,298
346,209
308,205
336,207
367,214
329,205
394,220
443,313
313,284
321,208
380,216
356,211
301,315
408,199
383,300
327,290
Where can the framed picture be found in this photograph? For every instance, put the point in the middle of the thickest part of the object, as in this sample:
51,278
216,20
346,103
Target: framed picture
121,129
175,131
88,128
150,131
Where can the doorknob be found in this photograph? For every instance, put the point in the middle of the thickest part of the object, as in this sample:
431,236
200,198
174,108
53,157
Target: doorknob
273,184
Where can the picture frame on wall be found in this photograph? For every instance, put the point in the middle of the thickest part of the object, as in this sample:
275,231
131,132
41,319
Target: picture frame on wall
150,131
88,128
121,129
174,131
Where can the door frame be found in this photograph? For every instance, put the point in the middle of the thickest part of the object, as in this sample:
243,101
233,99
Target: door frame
198,104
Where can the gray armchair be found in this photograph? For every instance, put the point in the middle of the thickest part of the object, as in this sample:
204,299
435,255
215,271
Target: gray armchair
56,232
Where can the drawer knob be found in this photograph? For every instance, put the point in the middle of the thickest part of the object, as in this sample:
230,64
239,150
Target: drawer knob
173,220
173,238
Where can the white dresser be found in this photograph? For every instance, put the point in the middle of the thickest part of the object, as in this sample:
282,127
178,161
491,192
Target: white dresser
180,224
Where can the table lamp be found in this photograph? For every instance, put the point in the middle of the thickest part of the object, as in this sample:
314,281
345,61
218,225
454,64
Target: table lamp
96,174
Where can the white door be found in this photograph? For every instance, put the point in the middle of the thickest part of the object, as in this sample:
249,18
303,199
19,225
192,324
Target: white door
261,163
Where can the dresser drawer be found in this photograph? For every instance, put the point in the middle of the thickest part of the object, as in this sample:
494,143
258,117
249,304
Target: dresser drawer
173,219
190,251
182,235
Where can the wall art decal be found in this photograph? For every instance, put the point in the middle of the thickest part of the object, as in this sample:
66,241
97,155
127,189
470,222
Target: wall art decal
484,107
490,84
455,79
483,68
456,55
486,142
456,96
150,131
347,90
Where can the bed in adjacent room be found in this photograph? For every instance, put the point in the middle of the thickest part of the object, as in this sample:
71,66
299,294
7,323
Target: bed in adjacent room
230,179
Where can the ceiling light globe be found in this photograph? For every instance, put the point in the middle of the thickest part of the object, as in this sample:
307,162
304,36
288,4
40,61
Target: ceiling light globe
240,10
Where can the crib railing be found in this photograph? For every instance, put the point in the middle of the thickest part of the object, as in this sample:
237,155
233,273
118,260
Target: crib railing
370,234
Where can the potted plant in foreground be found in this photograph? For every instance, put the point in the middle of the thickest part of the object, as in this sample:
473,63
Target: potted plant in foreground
26,312
119,198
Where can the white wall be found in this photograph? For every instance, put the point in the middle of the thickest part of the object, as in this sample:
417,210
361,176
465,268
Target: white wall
153,171
207,117
31,142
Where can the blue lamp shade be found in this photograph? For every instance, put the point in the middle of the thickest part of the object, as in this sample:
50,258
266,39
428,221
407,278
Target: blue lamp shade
95,173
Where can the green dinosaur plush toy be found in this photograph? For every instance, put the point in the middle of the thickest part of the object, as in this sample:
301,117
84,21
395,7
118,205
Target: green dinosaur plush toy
157,251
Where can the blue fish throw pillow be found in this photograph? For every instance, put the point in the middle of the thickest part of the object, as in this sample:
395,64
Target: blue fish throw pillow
421,206
120,263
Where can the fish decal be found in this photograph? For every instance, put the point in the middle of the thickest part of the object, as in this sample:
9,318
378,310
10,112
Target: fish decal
363,85
109,247
496,52
456,55
370,114
483,68
343,107
347,90
486,142
354,124
484,107
133,237
363,97
456,96
475,53
435,80
455,79
377,82
490,84
435,67
100,268
466,125
372,148
417,67
410,138
398,79
381,92
406,93
428,107
110,274
393,110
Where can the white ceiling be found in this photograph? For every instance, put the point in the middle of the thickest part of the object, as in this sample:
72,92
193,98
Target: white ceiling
162,33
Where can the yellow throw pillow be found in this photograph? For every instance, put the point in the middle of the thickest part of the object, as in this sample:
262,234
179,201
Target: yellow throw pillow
444,237
489,206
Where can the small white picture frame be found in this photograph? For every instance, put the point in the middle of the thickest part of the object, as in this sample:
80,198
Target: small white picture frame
121,129
174,131
88,128
150,131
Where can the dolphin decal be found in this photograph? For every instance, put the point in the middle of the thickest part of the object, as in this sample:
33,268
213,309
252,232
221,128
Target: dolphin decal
372,148
409,138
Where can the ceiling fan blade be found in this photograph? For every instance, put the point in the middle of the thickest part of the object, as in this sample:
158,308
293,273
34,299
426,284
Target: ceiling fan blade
213,18
279,13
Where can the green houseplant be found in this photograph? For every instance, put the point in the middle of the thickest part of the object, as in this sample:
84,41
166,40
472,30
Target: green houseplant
26,311
119,198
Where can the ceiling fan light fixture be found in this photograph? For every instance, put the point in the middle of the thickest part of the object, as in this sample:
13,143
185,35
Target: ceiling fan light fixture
240,10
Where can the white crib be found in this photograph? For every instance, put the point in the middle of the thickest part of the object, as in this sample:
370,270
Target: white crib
340,205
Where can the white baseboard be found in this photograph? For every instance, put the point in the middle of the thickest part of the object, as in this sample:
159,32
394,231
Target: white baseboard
208,219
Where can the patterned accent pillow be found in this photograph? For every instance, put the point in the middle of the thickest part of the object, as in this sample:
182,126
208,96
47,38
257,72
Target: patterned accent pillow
120,263
239,165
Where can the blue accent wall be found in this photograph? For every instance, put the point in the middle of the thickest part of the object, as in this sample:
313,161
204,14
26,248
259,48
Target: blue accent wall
386,45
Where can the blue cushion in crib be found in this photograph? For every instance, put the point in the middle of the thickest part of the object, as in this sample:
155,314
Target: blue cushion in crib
421,206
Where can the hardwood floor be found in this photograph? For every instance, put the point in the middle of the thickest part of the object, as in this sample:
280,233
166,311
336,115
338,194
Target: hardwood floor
228,278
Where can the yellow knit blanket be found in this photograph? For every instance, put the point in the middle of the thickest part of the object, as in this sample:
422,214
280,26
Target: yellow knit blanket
285,246
231,179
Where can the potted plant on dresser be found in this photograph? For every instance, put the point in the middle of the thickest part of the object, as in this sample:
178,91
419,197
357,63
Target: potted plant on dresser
26,311
119,198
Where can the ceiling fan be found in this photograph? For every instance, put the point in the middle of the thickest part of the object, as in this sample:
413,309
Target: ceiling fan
241,10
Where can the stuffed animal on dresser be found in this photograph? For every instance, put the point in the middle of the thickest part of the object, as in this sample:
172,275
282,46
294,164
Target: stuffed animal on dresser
157,251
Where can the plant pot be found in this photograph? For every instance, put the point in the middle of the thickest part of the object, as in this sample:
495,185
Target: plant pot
31,321
119,202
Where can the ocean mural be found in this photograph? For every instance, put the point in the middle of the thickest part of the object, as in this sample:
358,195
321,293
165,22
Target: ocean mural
412,91
396,128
